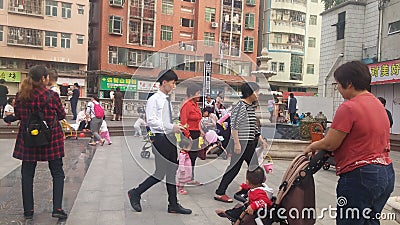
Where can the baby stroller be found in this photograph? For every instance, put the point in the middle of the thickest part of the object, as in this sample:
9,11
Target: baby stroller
211,144
68,130
296,192
145,153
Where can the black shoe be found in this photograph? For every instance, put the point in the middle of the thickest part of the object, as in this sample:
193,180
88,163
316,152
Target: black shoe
178,209
135,200
28,214
59,213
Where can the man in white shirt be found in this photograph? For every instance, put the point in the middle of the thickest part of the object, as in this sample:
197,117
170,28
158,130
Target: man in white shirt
159,119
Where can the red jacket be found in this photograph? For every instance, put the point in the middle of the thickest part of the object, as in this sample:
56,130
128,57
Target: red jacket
257,197
190,114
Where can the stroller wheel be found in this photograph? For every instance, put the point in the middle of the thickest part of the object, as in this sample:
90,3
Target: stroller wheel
326,166
224,156
147,154
143,154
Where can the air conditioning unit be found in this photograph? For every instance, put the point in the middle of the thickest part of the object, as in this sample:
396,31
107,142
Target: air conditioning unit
214,24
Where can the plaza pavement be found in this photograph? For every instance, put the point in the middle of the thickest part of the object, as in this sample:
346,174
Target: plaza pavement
114,169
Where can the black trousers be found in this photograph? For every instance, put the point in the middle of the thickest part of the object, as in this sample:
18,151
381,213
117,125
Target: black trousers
28,173
166,159
247,154
195,134
74,103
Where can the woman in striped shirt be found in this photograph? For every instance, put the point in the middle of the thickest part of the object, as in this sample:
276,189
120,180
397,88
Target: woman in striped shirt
243,138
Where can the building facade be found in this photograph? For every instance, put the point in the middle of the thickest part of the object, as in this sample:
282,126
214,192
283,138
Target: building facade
45,32
368,31
290,30
131,41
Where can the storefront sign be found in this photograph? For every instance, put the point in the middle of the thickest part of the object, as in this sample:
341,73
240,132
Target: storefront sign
10,76
125,84
147,85
385,72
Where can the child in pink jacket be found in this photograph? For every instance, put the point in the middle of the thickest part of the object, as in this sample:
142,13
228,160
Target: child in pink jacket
184,172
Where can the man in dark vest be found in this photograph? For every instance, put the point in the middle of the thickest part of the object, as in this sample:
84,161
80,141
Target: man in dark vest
3,95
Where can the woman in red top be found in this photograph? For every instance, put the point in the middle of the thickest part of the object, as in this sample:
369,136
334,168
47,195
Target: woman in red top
190,116
33,93
359,138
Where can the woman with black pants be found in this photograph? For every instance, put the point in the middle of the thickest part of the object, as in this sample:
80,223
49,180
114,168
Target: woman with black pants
243,138
33,93
190,116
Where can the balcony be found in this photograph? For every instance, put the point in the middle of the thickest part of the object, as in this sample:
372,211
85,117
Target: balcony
25,37
288,47
27,7
236,28
136,11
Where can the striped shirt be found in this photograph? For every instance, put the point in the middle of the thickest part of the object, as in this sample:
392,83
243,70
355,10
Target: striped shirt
243,119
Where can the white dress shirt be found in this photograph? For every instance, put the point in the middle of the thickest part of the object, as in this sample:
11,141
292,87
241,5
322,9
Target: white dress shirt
158,114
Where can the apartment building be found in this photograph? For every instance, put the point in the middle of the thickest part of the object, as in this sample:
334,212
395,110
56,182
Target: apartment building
368,31
131,41
46,32
291,30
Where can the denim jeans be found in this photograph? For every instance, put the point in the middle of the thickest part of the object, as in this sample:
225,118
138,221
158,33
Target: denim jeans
362,194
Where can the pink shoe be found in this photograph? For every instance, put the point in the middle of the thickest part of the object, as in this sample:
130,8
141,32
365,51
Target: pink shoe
182,191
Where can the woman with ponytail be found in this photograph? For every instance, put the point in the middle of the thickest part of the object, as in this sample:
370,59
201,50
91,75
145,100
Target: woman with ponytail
33,93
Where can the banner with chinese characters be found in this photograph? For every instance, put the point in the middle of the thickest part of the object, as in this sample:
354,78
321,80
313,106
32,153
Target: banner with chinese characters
125,84
385,72
10,76
148,85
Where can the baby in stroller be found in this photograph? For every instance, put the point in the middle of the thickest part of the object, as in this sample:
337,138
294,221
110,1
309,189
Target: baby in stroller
258,193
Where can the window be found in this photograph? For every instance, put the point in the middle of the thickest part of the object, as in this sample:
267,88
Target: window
210,14
187,22
81,9
166,33
340,26
112,55
281,67
296,67
249,21
189,0
1,4
50,39
115,25
248,44
311,42
66,10
117,3
394,27
273,66
51,8
315,1
251,2
25,37
278,38
209,39
65,40
313,20
79,39
310,68
1,32
167,7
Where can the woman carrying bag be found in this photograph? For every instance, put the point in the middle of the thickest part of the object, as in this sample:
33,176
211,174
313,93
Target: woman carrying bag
33,95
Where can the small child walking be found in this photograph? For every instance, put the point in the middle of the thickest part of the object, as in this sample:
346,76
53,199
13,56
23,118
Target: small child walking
138,125
184,172
104,134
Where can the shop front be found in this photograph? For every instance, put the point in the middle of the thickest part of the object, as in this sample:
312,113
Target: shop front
385,82
12,79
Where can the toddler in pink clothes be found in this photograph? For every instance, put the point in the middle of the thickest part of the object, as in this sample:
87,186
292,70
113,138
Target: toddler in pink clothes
104,132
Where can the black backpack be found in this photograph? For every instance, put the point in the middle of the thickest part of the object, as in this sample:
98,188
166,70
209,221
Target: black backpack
37,133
